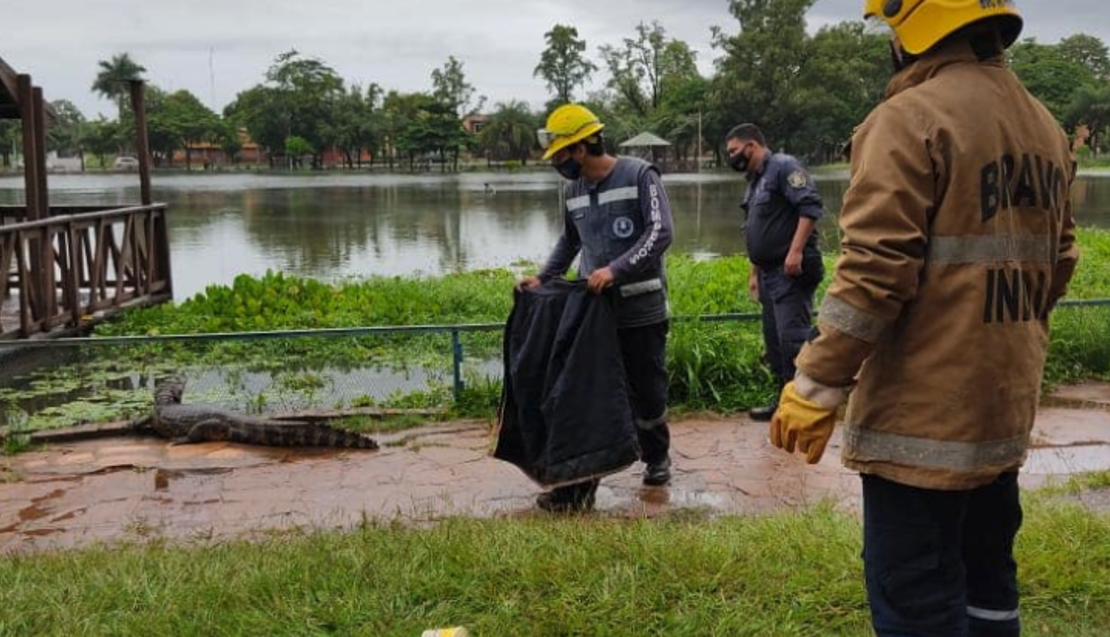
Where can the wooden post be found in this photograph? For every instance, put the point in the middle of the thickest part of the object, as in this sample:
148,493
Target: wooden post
73,279
161,248
29,313
47,275
39,107
30,156
142,145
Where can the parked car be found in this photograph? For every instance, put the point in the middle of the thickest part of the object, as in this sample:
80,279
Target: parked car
125,163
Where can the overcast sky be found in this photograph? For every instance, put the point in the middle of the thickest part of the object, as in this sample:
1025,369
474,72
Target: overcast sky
216,48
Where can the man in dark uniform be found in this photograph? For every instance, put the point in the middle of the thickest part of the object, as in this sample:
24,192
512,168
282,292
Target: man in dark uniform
782,208
618,217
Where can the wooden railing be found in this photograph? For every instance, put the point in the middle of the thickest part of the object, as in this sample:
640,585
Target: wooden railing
70,268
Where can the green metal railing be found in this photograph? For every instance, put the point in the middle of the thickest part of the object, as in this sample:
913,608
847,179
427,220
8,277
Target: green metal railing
455,331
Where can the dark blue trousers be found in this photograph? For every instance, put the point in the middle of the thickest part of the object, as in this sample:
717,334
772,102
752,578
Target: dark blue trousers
940,563
787,316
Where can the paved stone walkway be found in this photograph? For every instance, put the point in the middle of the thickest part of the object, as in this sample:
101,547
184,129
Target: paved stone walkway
136,488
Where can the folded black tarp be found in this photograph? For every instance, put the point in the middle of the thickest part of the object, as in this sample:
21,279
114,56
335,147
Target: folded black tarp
565,414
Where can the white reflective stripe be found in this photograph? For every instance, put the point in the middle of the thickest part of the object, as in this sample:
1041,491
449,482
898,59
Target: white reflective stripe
652,423
578,203
641,287
628,193
871,445
993,615
855,323
656,225
990,249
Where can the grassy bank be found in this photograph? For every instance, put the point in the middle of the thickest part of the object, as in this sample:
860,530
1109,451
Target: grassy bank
791,574
712,366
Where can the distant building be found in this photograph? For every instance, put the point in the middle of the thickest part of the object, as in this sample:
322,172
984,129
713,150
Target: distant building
473,124
206,153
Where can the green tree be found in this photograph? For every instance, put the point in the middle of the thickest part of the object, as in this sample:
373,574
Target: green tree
1048,75
260,110
112,80
228,139
163,132
450,87
844,77
759,71
399,110
67,133
1090,106
193,121
423,128
645,68
306,92
297,147
681,115
359,123
510,132
563,64
1088,52
11,141
103,138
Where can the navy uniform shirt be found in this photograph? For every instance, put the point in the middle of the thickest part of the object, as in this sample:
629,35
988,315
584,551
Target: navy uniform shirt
623,222
778,196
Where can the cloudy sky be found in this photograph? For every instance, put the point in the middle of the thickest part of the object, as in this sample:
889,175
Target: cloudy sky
216,48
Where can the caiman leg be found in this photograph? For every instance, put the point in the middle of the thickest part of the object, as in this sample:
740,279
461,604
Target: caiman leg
211,430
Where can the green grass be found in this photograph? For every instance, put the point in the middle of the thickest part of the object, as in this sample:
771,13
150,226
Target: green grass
789,574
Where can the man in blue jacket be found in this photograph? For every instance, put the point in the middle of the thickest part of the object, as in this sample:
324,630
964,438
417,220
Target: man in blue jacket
782,208
618,218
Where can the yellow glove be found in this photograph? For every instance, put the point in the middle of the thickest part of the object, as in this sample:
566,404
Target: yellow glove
804,423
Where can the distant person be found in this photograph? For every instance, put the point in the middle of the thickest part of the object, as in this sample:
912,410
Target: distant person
958,240
782,209
616,214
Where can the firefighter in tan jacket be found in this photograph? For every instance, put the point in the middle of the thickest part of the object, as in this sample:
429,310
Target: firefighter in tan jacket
958,242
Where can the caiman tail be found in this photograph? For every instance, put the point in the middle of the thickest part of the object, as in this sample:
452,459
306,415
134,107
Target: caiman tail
299,435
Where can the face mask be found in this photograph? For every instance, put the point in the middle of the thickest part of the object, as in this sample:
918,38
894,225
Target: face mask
739,162
570,169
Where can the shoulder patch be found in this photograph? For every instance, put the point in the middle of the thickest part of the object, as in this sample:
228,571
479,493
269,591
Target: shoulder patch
797,179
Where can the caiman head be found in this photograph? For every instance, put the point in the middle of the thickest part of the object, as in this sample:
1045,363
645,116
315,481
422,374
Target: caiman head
169,391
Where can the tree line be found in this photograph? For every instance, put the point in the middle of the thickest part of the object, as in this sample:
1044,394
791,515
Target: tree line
807,92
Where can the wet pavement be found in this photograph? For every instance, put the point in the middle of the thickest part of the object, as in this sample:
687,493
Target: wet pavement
141,488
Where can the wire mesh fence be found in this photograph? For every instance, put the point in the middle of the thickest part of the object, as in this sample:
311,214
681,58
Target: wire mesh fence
715,363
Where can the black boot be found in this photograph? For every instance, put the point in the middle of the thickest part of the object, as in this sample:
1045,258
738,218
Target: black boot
656,474
763,414
573,498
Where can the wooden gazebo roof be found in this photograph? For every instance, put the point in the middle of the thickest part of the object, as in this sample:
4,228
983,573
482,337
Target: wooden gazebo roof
9,95
9,104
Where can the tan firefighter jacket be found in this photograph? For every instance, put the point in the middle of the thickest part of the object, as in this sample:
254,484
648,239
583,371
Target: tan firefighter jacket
958,238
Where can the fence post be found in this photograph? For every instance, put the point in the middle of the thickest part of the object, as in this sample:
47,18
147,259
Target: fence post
457,357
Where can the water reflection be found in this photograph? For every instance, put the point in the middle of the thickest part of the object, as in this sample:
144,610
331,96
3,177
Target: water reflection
338,225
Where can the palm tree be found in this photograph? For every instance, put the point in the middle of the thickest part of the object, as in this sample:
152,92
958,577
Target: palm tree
510,132
111,81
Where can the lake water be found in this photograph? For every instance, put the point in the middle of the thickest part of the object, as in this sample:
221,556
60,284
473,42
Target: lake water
331,226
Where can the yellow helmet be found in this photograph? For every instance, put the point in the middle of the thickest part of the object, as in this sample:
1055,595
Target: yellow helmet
568,124
920,24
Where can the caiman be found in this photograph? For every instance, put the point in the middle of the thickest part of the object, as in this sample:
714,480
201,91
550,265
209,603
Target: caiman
184,424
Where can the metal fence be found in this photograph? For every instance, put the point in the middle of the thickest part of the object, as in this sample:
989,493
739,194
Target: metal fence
62,382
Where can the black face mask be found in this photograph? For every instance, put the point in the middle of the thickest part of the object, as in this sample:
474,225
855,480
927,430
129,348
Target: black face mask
739,162
570,169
